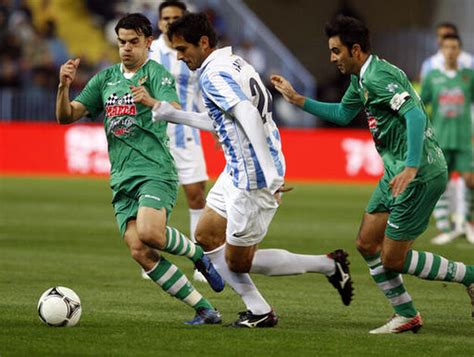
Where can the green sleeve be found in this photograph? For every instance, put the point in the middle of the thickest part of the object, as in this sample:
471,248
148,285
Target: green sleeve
165,87
416,122
336,113
91,96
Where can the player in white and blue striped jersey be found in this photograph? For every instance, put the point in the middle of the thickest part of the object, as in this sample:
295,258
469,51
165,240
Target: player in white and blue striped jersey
185,141
243,201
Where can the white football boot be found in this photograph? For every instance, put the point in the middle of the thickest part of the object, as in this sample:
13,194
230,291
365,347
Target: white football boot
444,238
469,230
398,324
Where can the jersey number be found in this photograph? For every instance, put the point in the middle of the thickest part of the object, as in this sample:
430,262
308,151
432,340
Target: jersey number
256,89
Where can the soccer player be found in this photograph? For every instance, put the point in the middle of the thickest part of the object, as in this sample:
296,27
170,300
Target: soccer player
415,172
143,174
243,201
436,61
450,91
185,141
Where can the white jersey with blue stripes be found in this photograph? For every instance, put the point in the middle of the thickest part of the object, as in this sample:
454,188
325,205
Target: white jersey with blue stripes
187,87
225,80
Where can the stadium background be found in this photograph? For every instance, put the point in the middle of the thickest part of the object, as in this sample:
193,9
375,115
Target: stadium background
61,230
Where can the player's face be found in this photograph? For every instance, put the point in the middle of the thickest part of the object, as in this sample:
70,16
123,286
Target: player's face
443,31
168,15
450,48
341,56
133,48
190,54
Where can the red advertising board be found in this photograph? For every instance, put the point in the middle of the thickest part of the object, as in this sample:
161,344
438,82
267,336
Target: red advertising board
311,155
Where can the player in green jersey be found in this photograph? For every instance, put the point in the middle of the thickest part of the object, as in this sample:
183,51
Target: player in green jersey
450,91
415,172
143,175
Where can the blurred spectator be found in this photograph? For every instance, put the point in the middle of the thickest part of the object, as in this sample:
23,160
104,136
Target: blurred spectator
57,48
9,72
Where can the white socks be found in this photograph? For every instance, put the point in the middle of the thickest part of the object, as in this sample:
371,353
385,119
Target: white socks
194,215
281,262
240,282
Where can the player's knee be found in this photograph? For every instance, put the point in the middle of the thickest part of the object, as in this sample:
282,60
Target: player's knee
208,240
365,247
391,263
152,238
238,266
196,200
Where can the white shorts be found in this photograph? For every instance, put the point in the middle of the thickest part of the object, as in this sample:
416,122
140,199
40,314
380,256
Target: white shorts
190,163
248,213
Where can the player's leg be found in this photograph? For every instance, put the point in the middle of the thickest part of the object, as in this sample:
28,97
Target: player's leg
445,206
156,201
411,217
469,228
211,233
442,215
335,265
369,243
169,277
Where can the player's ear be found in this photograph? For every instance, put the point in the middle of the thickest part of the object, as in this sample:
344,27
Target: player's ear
356,49
204,42
148,41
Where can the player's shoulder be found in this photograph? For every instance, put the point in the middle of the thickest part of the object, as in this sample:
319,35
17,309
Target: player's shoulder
107,73
380,70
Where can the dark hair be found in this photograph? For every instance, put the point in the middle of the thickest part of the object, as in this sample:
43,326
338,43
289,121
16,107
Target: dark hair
192,27
350,30
137,22
177,4
452,36
449,25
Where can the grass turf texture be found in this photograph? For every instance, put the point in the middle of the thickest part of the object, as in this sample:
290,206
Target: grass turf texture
63,232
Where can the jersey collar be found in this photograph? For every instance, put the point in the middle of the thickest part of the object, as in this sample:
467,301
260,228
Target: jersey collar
221,52
364,68
144,63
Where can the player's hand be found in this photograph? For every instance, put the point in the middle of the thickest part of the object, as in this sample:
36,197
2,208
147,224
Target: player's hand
141,95
400,182
280,191
287,91
67,72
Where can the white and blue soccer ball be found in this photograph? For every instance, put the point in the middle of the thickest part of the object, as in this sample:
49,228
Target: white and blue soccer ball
59,306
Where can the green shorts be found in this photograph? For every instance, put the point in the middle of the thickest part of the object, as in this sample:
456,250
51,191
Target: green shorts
458,160
151,193
409,213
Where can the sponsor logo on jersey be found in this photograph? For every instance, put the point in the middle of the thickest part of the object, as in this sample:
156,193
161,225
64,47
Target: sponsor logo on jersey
121,126
166,81
120,105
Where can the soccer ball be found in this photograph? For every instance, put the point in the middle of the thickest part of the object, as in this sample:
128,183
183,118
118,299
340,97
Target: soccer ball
59,306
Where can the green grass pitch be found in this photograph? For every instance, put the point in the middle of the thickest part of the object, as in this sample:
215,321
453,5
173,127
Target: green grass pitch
63,232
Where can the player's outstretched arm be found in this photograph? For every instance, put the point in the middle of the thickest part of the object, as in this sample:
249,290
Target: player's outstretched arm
168,112
287,91
67,111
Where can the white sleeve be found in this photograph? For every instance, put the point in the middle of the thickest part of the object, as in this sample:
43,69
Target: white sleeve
165,111
250,120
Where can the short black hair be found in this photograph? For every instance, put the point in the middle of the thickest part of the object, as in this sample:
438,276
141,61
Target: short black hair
350,30
137,22
449,25
178,4
192,27
452,36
